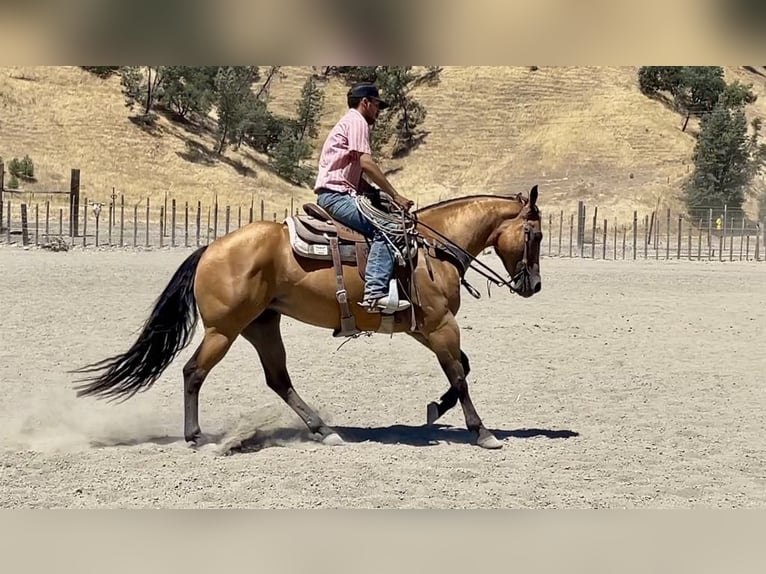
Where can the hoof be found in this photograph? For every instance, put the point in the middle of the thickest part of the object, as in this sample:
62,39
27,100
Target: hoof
333,439
432,413
193,439
488,441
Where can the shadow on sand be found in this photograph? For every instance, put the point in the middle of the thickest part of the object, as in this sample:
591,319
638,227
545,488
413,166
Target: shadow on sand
395,434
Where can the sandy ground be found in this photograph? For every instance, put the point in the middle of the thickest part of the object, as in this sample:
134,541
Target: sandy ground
623,384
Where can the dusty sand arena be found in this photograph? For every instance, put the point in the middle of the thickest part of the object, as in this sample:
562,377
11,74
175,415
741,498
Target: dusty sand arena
621,385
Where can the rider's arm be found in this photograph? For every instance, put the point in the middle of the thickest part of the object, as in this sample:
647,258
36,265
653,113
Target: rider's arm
372,171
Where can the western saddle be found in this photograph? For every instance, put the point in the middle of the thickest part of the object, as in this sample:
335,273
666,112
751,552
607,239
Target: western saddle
315,234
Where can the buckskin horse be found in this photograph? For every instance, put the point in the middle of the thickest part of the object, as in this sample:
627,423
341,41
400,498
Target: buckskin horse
311,268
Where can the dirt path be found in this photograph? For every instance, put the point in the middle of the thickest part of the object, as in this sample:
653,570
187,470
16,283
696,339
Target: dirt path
621,385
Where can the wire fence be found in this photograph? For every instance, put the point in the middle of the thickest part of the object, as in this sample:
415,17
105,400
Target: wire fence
712,234
706,234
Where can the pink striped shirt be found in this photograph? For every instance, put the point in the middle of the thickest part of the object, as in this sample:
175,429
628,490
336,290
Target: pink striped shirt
339,166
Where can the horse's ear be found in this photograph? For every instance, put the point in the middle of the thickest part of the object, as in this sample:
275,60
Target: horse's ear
533,196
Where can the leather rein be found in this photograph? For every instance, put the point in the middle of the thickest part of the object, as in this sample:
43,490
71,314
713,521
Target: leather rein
467,261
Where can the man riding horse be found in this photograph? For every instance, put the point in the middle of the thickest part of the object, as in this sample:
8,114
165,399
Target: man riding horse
346,155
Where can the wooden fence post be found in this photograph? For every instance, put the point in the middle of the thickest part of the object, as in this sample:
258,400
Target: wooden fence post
135,224
550,229
37,224
689,243
8,224
215,218
84,221
561,229
112,217
24,225
593,234
646,236
98,217
571,233
742,239
186,224
148,214
603,247
163,220
199,220
678,245
667,242
122,220
624,238
173,223
74,202
635,233
207,237
2,201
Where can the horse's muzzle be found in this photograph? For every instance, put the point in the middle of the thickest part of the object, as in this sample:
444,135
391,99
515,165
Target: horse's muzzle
527,282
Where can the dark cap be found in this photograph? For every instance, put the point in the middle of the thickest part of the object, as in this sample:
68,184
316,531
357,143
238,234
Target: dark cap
367,90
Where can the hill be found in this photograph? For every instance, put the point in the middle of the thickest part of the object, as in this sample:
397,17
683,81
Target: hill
580,133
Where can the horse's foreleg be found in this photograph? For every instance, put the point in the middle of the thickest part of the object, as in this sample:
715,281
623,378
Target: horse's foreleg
265,335
445,343
212,349
434,410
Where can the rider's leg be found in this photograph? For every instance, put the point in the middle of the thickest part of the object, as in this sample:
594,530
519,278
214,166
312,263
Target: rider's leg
343,208
380,267
380,260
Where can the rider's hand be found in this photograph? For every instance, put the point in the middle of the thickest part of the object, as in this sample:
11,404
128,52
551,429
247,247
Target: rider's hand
403,202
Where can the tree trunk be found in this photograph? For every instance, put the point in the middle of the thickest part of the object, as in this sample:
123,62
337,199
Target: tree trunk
686,121
222,142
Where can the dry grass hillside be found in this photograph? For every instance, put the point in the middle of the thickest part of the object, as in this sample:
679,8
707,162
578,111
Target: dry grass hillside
580,133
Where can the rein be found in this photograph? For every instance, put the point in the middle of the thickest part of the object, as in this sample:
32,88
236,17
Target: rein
396,225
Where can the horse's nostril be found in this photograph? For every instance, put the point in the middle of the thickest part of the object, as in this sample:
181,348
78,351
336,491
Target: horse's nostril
538,286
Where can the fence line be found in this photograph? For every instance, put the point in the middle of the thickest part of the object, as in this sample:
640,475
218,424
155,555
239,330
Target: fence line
140,225
172,223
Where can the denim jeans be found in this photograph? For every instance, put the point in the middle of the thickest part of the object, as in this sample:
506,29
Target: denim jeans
380,261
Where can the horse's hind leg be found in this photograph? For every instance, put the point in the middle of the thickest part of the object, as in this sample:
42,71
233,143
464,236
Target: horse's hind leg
265,335
434,410
212,349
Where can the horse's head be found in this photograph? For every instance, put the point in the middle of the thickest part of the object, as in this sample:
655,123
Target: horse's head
517,242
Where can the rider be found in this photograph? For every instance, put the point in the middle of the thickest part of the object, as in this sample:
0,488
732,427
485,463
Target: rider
346,154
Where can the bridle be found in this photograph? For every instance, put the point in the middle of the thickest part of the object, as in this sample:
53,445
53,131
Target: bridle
468,261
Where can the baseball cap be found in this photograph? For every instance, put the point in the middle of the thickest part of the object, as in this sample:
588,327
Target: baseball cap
367,90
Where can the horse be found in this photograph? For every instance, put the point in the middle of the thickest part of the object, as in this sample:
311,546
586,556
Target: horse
244,282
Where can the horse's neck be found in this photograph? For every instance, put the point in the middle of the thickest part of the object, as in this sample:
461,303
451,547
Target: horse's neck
469,224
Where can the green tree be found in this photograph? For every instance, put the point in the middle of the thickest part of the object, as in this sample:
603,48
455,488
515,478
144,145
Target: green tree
235,101
294,143
695,90
188,90
141,86
309,110
654,79
725,159
699,90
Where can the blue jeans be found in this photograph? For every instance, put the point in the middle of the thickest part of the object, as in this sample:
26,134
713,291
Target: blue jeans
380,260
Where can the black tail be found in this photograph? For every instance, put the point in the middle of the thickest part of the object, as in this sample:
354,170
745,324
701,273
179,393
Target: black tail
166,332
